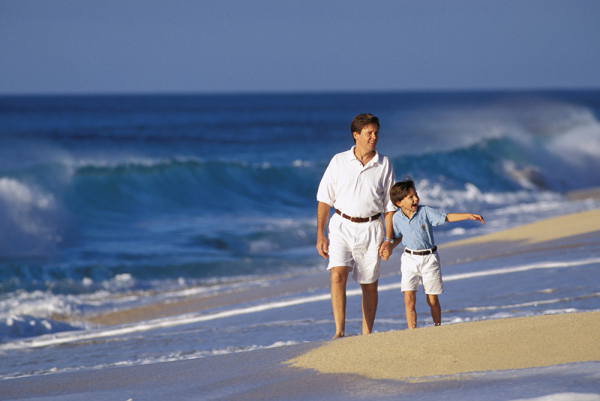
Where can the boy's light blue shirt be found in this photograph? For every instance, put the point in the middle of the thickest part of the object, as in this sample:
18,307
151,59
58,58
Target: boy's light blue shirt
417,233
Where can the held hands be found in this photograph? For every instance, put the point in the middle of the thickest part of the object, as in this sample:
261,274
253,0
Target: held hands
385,250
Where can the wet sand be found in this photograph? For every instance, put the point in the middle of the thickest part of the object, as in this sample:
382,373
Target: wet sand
172,307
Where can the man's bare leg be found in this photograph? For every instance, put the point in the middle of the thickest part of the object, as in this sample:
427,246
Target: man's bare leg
369,305
339,278
410,298
436,309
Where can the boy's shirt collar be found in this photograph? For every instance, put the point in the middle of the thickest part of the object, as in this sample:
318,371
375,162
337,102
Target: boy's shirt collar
413,216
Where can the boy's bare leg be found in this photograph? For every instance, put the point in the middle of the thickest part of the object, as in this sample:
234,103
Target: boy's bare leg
339,278
369,305
410,298
436,309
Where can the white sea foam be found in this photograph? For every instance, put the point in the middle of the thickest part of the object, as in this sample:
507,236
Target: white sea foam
302,163
520,119
531,303
31,219
36,303
564,397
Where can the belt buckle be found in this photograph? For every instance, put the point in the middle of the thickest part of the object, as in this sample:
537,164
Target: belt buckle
353,219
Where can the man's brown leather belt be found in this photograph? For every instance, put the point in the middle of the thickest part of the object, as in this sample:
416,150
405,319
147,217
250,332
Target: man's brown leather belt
358,219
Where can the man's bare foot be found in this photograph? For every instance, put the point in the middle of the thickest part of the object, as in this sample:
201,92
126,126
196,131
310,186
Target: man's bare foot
338,335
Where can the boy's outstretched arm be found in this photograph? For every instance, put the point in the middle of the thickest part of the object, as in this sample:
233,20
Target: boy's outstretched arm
452,217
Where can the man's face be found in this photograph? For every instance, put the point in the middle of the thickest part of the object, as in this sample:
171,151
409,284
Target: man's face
366,140
409,203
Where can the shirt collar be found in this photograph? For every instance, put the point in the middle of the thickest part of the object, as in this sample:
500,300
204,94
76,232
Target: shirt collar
413,216
374,160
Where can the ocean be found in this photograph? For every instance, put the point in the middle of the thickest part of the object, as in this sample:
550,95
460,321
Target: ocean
110,203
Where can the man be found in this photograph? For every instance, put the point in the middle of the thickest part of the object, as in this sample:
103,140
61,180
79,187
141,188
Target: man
357,184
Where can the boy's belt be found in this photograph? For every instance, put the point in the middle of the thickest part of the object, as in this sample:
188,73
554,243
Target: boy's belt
421,253
358,219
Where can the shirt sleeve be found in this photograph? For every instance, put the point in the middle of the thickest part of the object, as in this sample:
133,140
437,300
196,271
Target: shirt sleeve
436,217
388,181
326,191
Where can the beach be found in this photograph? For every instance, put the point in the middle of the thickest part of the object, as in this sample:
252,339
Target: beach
554,353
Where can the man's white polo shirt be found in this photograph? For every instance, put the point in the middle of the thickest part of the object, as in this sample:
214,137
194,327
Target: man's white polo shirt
357,190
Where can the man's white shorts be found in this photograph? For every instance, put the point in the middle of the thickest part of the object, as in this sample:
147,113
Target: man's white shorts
356,245
425,268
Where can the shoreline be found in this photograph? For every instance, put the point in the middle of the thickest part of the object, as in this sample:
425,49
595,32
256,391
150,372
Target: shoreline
515,240
522,239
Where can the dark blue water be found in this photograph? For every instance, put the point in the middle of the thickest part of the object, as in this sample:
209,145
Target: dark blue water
109,194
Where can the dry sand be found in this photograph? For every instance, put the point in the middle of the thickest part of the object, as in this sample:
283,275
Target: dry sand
502,344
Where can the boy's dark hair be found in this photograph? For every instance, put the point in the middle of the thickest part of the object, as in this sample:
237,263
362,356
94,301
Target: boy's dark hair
362,120
400,189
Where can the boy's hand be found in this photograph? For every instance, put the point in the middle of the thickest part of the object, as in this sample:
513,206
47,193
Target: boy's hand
477,218
385,254
385,250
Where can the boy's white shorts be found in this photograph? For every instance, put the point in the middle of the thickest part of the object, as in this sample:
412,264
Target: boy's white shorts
355,245
425,268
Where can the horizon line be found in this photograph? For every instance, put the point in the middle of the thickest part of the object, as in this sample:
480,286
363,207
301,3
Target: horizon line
301,92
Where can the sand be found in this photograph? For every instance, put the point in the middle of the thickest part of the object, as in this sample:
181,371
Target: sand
493,345
502,344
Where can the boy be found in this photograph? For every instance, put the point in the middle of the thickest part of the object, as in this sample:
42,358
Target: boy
412,226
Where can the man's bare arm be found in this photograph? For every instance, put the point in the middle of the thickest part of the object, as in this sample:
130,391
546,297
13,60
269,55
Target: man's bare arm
323,210
385,250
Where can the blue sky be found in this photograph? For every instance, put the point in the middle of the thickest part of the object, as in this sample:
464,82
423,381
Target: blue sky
147,46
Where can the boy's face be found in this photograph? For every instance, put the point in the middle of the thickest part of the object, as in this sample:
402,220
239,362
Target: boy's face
409,203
